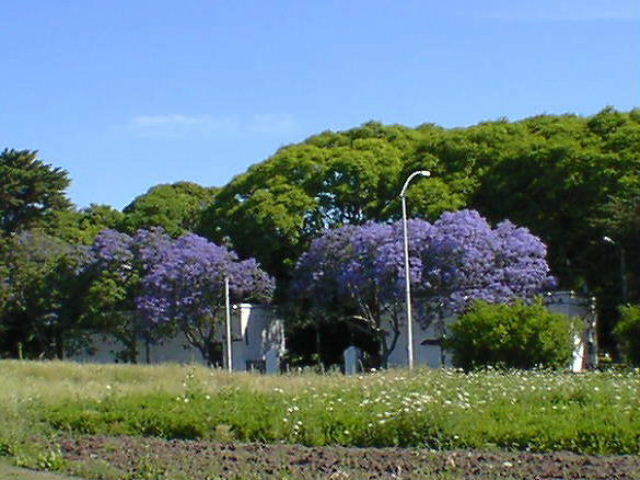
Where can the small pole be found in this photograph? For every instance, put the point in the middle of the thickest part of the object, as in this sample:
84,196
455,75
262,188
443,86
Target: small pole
228,322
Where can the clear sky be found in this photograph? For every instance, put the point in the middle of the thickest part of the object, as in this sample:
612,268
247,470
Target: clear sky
126,94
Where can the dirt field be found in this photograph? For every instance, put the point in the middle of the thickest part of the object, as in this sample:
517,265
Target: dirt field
8,472
155,458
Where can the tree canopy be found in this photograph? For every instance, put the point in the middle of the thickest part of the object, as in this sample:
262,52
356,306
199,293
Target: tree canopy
30,190
174,207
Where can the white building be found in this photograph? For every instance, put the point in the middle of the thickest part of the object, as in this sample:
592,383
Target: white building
257,343
427,342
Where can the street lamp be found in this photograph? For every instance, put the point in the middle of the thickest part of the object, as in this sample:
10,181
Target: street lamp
623,267
403,197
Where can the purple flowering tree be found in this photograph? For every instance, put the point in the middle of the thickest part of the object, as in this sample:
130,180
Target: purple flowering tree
358,271
468,260
121,263
186,289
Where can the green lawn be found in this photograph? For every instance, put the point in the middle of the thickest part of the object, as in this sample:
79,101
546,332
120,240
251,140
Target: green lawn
592,413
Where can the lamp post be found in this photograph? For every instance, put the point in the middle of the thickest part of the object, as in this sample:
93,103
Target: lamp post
623,268
403,197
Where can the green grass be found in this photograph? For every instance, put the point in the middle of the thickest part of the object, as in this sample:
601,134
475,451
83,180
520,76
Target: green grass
595,413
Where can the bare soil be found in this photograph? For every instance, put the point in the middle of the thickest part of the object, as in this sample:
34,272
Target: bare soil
201,460
9,472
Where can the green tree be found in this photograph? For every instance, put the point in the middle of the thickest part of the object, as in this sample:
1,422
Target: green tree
175,207
30,190
274,209
42,314
83,226
566,178
628,332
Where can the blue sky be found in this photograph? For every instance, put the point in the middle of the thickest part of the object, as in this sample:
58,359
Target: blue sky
126,94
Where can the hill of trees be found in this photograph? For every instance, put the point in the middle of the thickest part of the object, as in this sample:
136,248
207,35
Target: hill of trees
570,180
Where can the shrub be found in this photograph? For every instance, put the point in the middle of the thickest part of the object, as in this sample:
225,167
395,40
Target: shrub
516,335
628,332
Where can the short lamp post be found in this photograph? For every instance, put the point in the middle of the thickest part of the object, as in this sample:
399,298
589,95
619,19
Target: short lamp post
403,197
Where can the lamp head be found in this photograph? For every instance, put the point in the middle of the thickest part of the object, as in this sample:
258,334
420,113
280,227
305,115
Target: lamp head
608,240
422,173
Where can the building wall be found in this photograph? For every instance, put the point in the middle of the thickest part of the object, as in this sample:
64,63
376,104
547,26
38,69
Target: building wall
254,332
565,302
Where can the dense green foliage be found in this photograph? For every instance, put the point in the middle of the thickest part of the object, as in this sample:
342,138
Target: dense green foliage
531,411
83,226
175,207
277,207
516,335
628,332
30,190
556,175
42,311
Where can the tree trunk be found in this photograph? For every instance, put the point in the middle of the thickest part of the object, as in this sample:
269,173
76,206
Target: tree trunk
59,346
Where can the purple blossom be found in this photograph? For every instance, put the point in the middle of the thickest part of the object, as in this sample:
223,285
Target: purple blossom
467,260
115,250
186,286
458,259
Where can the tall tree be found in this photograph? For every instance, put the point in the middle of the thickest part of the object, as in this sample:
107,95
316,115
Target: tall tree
175,207
30,190
277,207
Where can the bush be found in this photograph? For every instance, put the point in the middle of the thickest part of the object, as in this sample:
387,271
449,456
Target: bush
628,332
515,335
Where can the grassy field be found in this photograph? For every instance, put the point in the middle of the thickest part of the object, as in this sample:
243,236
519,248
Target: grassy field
594,413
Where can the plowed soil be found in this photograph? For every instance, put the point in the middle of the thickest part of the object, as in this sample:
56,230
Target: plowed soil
200,460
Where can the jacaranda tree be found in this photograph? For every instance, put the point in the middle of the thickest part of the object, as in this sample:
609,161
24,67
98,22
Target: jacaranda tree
357,272
186,289
467,260
121,262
